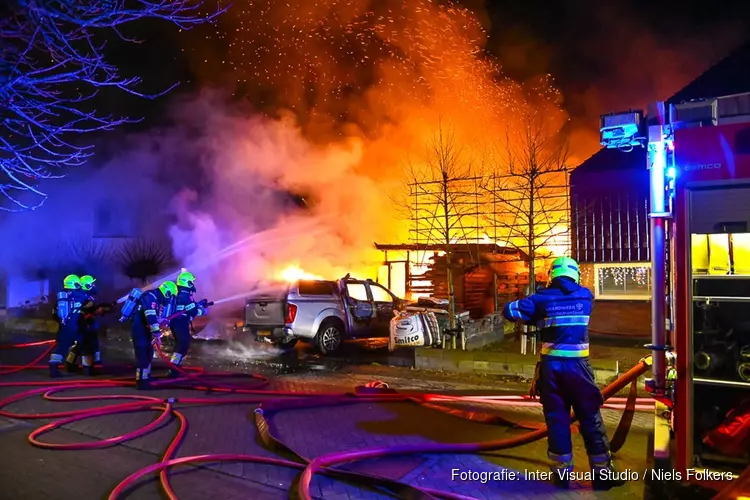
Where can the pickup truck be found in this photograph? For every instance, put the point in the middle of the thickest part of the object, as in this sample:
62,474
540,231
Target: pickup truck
321,312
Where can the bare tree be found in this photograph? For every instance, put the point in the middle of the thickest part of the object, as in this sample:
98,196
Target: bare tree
529,189
52,66
443,202
144,259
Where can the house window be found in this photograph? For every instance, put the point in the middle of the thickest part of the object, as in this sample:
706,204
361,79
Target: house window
623,281
113,220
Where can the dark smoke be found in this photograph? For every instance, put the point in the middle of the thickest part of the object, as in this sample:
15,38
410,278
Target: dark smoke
612,56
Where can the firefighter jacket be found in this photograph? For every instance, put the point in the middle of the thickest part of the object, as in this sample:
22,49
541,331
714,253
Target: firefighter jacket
88,310
561,312
76,300
185,304
149,305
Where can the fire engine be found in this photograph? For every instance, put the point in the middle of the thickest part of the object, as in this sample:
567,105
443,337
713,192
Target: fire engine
698,156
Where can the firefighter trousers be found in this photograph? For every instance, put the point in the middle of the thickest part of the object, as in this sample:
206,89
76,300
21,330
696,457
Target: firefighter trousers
143,349
67,335
88,348
180,328
565,384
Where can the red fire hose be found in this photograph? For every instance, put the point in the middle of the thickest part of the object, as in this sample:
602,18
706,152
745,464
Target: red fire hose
197,378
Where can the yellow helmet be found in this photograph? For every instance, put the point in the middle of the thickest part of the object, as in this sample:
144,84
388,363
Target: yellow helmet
567,267
87,282
72,282
168,289
186,280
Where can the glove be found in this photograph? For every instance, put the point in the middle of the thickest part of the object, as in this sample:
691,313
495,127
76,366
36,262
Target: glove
204,311
534,390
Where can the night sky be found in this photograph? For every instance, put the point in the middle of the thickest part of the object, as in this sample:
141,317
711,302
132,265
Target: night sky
603,57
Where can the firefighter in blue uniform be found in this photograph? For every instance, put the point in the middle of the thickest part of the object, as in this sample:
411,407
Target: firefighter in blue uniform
180,325
144,329
565,380
88,348
68,311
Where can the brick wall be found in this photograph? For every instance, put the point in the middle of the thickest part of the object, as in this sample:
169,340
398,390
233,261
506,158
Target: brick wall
630,318
621,317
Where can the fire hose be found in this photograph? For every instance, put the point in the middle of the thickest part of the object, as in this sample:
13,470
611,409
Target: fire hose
254,393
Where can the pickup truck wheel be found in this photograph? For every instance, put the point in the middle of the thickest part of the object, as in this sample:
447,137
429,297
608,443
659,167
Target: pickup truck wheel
329,337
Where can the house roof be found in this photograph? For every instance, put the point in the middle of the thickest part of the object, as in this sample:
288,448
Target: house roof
729,76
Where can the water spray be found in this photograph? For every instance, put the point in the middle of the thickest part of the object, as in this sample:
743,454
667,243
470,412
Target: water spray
219,256
243,295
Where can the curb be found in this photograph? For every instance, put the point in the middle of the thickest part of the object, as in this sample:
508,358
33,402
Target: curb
31,325
495,363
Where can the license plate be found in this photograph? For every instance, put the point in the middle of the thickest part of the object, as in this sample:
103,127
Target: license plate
264,333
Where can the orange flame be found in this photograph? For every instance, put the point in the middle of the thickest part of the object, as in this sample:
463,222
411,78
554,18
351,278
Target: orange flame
294,273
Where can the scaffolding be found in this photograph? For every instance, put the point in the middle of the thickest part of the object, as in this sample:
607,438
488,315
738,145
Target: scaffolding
508,213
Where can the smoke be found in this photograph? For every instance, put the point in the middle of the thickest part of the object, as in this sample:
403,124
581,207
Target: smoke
251,164
300,161
346,93
616,56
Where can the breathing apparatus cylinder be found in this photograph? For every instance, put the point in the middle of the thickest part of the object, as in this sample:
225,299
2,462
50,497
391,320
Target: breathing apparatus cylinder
169,308
63,306
128,308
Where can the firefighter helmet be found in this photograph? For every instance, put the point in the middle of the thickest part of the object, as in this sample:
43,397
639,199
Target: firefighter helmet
87,282
565,267
72,282
186,280
168,289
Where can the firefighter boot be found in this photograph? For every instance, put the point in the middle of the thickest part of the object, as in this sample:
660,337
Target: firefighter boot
88,366
143,379
605,475
70,362
54,370
176,361
562,467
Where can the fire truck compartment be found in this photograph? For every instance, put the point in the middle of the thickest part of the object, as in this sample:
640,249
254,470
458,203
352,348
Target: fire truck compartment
719,217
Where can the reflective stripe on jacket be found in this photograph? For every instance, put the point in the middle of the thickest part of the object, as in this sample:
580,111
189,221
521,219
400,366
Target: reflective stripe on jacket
562,313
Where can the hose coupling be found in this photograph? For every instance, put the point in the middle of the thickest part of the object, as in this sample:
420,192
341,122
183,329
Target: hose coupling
259,411
170,400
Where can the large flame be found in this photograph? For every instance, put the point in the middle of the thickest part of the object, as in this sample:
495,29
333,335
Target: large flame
354,92
294,273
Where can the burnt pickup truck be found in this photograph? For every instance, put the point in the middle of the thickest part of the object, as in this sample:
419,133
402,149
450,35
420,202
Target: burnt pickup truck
321,312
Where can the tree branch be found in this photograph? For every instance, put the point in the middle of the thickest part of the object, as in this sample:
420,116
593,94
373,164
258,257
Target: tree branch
52,64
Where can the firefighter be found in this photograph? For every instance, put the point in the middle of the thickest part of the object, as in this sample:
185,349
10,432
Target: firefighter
564,377
180,325
145,329
68,311
88,347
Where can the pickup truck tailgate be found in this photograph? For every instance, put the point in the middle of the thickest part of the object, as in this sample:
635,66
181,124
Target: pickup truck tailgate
265,311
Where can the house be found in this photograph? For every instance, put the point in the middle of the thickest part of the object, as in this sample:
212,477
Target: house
80,229
609,213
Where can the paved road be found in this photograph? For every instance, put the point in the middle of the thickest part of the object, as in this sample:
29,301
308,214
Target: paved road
53,474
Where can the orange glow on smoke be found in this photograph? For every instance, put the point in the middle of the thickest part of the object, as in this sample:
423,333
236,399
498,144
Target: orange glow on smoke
358,89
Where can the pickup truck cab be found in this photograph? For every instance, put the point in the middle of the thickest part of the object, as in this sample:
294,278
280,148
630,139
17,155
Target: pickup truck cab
321,312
